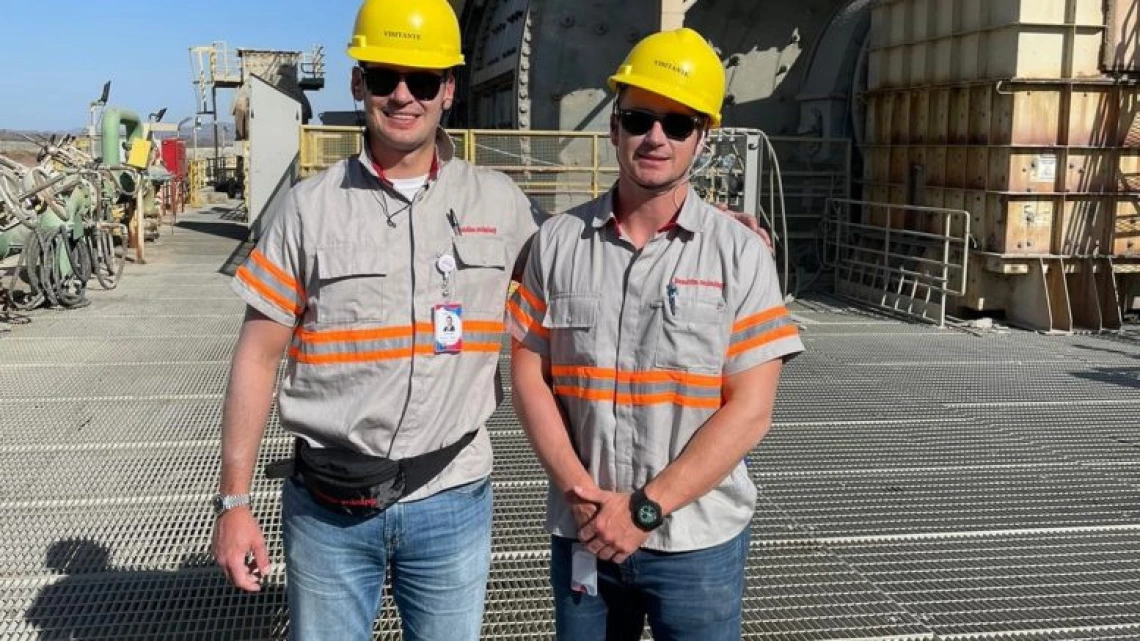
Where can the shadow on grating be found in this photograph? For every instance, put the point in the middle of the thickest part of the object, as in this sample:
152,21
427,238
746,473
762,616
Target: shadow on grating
93,600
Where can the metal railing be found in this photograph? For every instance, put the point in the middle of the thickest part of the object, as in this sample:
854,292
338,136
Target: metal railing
906,259
559,169
312,67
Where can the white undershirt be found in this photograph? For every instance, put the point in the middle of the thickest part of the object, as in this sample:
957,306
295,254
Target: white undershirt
409,187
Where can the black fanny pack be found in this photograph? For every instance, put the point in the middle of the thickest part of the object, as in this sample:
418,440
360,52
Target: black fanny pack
359,484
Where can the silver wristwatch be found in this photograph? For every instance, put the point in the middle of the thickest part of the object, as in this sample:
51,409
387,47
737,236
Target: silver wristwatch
223,502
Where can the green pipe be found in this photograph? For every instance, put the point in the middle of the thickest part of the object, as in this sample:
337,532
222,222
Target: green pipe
13,240
112,118
78,207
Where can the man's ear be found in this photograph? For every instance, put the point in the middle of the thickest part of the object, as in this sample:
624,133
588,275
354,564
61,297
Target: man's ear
615,125
449,91
357,84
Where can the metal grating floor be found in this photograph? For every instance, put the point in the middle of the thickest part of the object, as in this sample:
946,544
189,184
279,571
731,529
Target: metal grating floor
918,484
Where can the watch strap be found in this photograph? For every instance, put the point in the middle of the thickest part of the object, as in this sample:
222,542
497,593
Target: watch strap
226,502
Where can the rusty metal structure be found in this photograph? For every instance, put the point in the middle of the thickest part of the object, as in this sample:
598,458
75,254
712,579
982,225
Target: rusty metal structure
1017,112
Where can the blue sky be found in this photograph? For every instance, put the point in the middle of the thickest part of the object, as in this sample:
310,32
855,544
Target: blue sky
55,55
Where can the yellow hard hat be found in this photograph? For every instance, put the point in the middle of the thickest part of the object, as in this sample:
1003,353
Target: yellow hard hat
410,33
680,65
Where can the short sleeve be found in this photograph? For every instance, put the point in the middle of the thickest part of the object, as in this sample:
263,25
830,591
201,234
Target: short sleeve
527,305
762,328
270,278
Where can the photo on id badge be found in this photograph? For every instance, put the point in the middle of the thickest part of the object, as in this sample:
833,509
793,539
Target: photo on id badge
447,318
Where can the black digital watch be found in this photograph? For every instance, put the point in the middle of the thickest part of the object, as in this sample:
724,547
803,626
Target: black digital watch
645,511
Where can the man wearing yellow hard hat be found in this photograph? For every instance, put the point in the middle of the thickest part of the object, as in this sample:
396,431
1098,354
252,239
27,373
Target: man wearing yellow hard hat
384,278
649,334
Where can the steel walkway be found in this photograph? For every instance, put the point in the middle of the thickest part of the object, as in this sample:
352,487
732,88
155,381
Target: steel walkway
918,484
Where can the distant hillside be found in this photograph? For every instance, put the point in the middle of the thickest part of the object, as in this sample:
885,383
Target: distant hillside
20,150
16,134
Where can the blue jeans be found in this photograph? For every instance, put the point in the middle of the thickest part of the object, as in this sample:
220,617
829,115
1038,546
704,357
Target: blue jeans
687,596
438,550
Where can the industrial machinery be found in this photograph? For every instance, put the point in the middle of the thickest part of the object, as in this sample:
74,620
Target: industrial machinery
1025,115
123,144
938,158
58,216
249,73
73,214
992,146
784,182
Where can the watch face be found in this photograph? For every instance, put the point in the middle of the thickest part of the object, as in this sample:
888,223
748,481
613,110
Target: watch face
647,515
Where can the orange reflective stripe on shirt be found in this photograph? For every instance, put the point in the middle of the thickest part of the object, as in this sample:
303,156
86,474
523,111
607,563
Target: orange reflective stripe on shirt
324,347
246,276
761,329
758,319
276,272
531,299
771,336
651,387
528,323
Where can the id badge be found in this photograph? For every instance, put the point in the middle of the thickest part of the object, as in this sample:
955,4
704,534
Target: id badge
447,320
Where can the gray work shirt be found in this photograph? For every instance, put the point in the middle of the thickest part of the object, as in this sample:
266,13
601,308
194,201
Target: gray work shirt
353,267
639,343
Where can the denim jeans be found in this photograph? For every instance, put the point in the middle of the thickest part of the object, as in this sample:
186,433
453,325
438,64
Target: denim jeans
686,596
438,550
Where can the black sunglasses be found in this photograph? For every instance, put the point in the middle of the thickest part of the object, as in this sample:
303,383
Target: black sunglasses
676,126
382,81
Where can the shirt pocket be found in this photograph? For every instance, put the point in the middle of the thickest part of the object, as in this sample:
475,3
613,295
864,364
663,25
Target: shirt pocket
481,275
692,335
350,284
572,320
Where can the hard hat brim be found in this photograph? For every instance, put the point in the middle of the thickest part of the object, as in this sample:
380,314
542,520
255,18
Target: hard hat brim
405,58
668,91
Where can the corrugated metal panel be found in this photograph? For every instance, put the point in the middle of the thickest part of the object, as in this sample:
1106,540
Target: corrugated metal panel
1001,108
957,41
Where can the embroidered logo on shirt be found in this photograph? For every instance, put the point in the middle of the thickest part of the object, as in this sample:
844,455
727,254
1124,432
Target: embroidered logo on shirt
479,230
698,282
